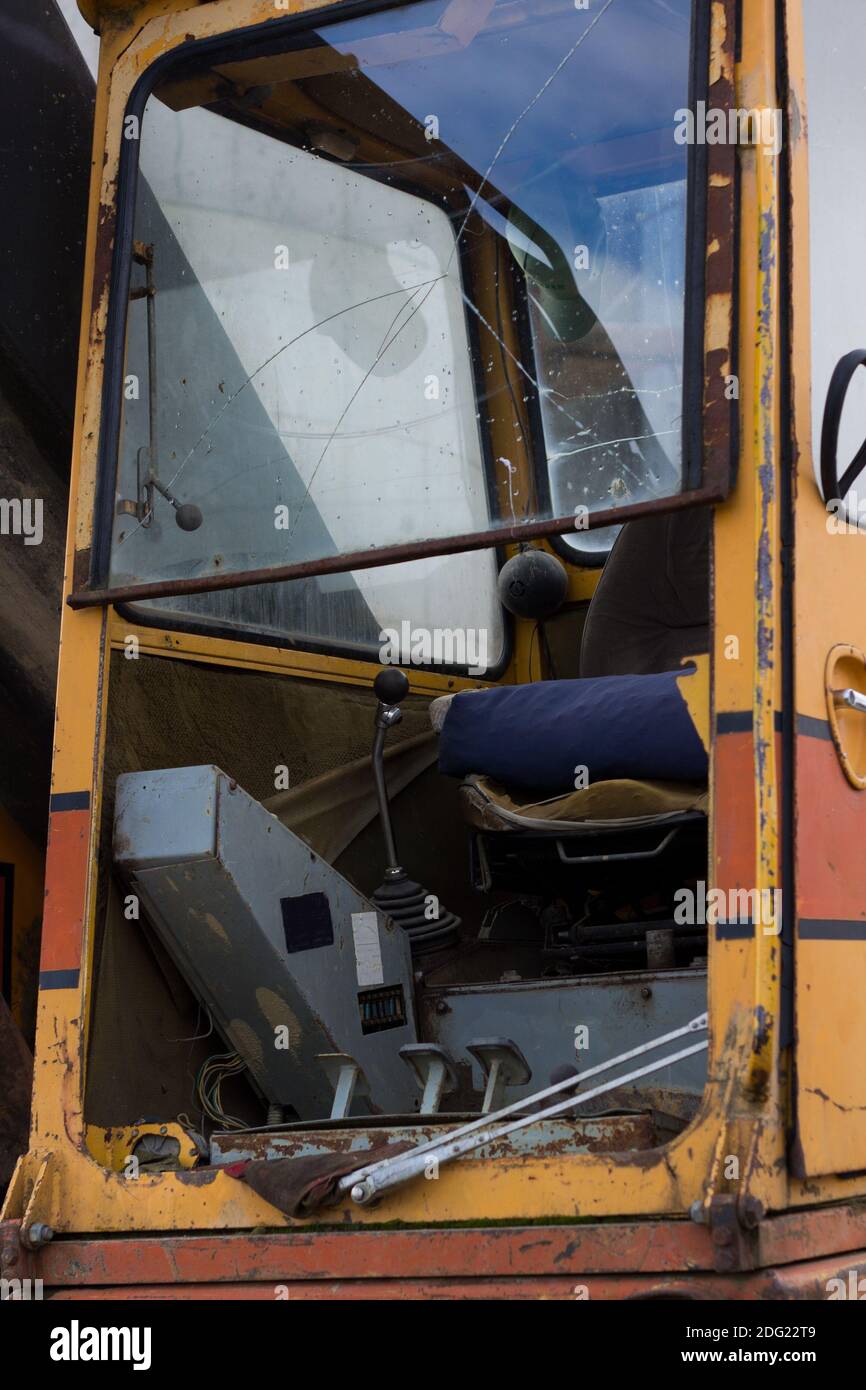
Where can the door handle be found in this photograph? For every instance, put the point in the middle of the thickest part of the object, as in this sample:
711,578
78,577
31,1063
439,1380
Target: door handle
844,684
849,699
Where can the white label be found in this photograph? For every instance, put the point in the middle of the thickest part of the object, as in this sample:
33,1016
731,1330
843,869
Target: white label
368,952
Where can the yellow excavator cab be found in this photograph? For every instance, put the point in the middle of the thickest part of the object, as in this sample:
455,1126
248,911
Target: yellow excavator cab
459,766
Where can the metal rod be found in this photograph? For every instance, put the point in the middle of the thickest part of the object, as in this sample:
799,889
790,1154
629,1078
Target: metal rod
610,858
390,554
382,726
695,1025
151,365
406,1166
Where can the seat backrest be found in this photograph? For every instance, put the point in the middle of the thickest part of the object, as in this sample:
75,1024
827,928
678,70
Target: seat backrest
652,605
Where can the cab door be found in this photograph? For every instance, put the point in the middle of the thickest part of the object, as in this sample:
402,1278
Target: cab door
826,41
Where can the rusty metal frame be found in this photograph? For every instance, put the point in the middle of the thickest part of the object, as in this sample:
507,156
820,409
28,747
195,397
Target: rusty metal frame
710,273
623,1259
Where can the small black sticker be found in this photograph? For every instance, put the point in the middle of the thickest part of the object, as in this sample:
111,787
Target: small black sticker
307,922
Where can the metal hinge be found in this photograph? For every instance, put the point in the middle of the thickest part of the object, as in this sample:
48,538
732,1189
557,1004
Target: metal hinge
734,1223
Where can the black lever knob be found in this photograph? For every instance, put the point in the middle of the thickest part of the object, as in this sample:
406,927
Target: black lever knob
391,685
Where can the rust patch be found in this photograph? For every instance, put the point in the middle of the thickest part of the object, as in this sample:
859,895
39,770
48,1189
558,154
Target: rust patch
104,248
80,567
197,1177
719,411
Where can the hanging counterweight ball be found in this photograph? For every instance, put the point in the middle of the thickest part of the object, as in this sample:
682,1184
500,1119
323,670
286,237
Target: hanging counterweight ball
188,516
533,584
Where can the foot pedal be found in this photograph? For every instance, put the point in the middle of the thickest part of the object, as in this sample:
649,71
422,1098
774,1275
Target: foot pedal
502,1065
434,1072
347,1079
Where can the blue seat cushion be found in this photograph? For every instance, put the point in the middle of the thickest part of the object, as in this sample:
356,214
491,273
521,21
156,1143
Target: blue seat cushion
536,736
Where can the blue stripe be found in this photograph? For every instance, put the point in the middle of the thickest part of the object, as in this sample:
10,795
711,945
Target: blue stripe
822,929
70,801
735,931
59,979
809,929
734,721
813,728
740,721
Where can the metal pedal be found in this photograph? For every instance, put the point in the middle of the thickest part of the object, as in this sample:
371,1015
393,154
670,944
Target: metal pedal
434,1072
502,1065
347,1079
375,1178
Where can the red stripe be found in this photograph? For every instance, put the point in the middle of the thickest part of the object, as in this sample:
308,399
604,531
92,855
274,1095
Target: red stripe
831,836
65,890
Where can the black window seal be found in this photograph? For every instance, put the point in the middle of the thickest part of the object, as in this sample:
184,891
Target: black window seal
693,320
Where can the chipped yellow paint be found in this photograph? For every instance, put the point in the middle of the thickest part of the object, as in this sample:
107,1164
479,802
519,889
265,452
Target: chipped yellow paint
695,690
718,321
60,1180
113,1148
766,697
720,63
256,656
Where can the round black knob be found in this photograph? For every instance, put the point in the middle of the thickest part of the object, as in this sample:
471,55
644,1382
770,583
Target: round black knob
391,685
533,584
188,516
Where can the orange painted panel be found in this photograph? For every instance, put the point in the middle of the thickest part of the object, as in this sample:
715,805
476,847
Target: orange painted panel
830,964
831,835
733,781
65,890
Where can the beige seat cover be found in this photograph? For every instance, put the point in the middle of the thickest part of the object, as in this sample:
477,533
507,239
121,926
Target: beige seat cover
614,804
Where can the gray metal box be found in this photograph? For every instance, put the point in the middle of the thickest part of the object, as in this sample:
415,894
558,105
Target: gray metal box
289,958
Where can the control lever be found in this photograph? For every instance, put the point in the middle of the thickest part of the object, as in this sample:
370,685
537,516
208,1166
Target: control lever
425,921
390,686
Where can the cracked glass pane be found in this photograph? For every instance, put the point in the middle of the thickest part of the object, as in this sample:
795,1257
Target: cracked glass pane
419,275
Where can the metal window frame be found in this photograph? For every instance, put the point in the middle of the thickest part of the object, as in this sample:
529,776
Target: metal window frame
711,268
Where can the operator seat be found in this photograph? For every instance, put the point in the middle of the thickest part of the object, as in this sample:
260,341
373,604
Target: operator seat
651,608
649,615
